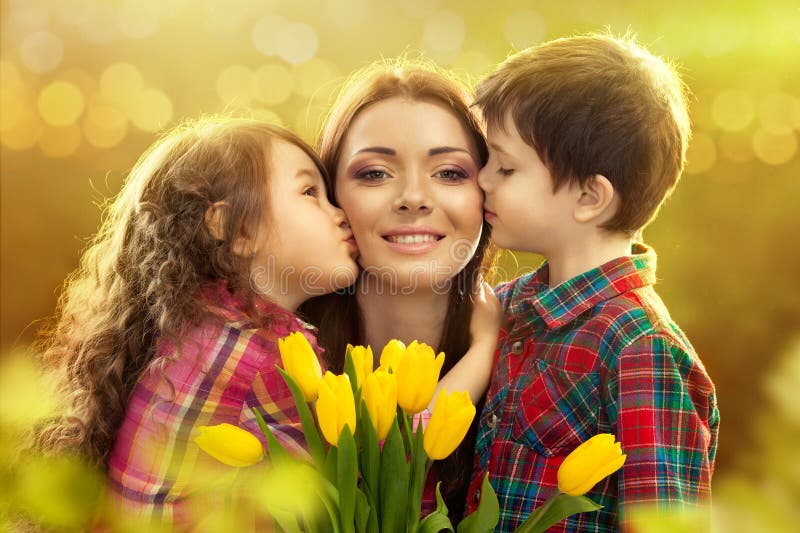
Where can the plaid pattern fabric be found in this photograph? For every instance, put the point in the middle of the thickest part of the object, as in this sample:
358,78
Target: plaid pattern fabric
596,354
224,371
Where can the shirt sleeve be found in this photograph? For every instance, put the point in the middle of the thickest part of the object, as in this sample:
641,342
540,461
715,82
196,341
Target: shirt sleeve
663,411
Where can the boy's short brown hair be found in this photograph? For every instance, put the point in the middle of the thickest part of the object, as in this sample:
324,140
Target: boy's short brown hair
596,104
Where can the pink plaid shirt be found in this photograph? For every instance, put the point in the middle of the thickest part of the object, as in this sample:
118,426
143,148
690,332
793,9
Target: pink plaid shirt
225,370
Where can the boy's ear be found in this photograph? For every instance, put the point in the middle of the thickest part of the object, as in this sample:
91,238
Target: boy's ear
597,201
215,221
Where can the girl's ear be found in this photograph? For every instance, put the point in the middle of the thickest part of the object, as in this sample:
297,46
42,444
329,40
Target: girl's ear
215,220
597,202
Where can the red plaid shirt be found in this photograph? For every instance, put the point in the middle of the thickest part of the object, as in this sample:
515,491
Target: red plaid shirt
596,354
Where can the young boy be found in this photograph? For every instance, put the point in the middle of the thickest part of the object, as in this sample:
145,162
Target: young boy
587,138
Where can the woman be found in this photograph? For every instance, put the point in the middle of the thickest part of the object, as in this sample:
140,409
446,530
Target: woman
403,153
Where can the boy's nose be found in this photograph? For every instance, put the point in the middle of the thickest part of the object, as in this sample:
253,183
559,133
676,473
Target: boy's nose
484,181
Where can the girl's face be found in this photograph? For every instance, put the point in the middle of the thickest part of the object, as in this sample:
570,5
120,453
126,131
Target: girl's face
407,179
304,247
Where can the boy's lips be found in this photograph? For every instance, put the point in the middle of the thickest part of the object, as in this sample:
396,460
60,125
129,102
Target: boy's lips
488,213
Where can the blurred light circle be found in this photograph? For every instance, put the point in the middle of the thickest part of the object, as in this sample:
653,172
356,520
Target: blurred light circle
733,110
296,42
474,63
60,141
153,111
736,146
138,20
774,149
347,14
273,83
702,154
121,84
775,113
25,133
525,28
264,31
28,15
98,26
236,85
41,51
444,32
104,125
60,103
316,78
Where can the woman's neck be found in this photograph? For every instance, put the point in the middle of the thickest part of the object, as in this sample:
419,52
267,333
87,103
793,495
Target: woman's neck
406,317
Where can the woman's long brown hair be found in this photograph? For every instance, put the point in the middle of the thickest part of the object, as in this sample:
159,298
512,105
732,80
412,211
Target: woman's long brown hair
337,315
141,277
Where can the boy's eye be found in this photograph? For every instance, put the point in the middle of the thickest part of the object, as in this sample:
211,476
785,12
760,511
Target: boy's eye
505,171
452,174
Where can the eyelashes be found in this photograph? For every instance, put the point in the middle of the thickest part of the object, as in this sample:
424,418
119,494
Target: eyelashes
374,175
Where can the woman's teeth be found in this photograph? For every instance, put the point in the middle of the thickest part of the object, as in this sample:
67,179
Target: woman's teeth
411,239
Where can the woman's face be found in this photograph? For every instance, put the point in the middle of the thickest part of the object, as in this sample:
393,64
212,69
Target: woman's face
407,180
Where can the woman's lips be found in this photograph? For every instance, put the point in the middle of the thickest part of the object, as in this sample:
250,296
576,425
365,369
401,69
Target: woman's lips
412,240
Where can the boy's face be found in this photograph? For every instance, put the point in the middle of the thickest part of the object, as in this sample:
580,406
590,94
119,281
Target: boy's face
524,212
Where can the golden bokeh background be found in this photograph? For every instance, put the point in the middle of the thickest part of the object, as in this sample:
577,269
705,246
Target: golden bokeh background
85,86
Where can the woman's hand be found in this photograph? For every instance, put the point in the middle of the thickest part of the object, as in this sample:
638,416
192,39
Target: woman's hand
487,316
474,370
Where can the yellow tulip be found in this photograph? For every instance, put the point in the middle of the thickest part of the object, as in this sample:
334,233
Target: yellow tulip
230,444
590,462
363,360
301,362
391,354
450,420
336,407
417,374
380,396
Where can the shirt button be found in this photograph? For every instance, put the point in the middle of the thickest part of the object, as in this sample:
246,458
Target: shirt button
492,421
476,497
516,348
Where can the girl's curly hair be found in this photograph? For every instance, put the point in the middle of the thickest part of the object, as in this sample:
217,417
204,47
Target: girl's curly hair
141,277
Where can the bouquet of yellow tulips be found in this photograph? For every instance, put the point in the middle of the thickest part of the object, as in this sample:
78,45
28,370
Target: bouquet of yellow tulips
373,471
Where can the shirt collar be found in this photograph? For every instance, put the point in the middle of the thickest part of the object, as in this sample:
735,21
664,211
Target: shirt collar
565,302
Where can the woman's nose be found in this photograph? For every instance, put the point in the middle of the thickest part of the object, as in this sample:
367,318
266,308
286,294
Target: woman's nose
413,198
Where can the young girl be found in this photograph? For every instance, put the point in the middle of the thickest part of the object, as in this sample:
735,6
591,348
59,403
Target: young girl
171,322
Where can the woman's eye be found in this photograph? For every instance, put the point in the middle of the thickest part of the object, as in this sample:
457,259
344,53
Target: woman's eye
505,171
452,174
371,175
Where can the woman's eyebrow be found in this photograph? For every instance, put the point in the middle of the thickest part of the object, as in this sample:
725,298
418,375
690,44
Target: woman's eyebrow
378,150
446,150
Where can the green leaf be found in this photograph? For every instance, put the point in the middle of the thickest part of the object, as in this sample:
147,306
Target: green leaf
370,455
435,522
438,520
393,483
347,478
276,451
419,471
363,510
330,500
285,519
350,370
486,516
331,468
314,441
554,510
